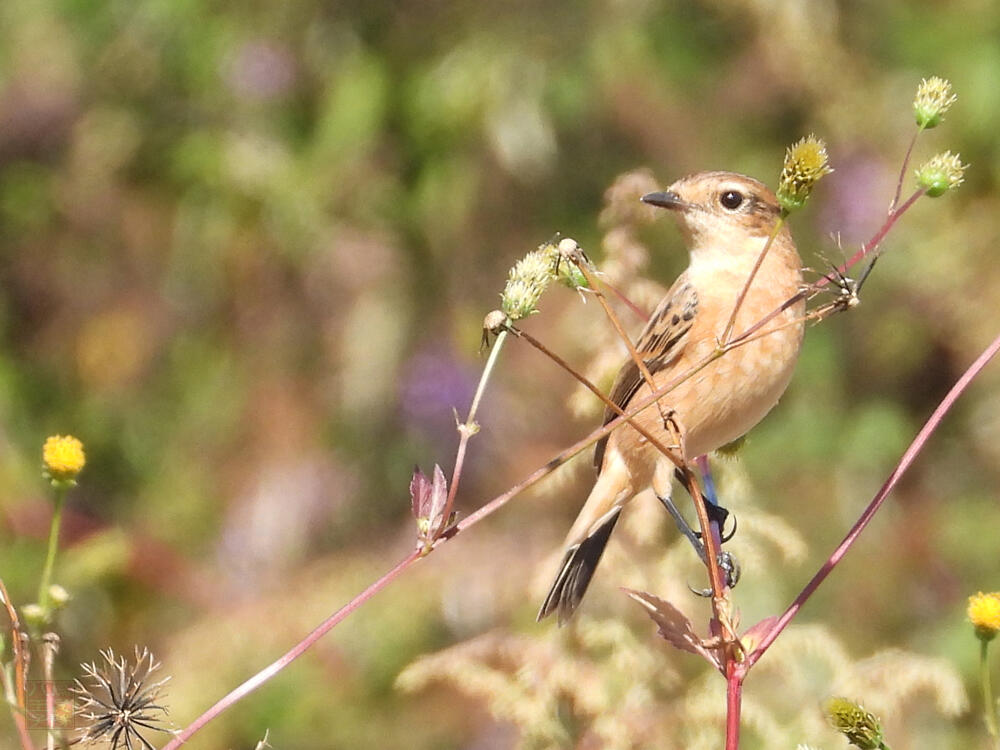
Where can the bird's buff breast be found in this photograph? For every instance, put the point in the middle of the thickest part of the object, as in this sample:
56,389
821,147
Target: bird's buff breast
726,398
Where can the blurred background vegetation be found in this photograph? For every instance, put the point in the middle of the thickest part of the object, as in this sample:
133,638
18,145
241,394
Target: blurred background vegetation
245,252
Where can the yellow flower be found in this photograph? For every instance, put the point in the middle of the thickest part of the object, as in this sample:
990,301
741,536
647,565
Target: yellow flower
63,458
806,162
984,614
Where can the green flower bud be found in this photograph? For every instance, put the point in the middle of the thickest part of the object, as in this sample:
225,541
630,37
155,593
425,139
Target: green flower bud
862,729
934,98
941,173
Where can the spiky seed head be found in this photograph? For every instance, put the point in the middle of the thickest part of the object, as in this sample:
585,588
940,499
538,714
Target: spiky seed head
941,173
934,98
861,728
806,162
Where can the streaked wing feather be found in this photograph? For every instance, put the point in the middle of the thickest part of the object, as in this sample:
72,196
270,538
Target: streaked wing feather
660,344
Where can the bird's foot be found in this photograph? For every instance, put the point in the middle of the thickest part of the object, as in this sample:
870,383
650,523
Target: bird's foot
730,570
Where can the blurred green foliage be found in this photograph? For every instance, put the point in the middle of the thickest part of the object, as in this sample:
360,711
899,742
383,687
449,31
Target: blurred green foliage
246,249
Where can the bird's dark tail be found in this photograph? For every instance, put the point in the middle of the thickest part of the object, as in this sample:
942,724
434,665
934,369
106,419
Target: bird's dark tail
578,566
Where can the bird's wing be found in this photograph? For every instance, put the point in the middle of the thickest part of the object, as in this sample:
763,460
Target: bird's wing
660,344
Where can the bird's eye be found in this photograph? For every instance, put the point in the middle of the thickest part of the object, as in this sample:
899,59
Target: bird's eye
731,199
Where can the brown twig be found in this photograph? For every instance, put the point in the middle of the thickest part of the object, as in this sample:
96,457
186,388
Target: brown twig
728,331
653,440
867,249
17,646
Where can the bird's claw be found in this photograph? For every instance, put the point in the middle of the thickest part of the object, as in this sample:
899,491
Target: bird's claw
730,571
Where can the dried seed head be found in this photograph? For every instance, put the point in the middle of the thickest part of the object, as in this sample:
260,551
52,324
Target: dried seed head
118,701
934,98
806,162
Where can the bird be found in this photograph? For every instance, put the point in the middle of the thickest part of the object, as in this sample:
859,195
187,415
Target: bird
725,219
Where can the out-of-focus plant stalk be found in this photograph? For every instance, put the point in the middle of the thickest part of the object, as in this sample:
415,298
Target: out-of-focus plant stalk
989,705
44,600
469,428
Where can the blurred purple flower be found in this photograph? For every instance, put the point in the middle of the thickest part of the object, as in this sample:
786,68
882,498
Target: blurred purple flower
261,70
432,383
856,198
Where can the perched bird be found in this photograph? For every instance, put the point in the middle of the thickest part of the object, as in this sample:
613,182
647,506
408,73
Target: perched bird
726,219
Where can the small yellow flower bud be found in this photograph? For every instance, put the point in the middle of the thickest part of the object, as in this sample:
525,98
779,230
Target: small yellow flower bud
941,173
62,458
861,728
984,614
806,162
934,98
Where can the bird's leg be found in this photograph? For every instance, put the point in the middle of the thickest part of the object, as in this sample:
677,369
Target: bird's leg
726,562
728,565
682,525
717,514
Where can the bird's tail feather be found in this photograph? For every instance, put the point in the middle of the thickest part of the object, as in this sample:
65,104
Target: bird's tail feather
578,566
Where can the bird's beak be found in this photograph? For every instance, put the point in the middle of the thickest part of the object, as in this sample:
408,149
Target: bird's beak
666,199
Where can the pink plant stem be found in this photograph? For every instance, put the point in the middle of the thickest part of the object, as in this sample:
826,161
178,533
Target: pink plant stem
904,463
639,312
867,249
300,648
735,672
902,171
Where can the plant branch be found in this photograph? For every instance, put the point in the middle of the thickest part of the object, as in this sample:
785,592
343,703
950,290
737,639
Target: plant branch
50,555
989,707
867,249
469,428
734,702
17,646
905,462
300,648
728,331
902,169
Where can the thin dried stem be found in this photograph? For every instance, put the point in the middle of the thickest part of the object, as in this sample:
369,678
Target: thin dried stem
592,281
902,170
728,331
469,428
639,312
50,647
17,646
653,440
